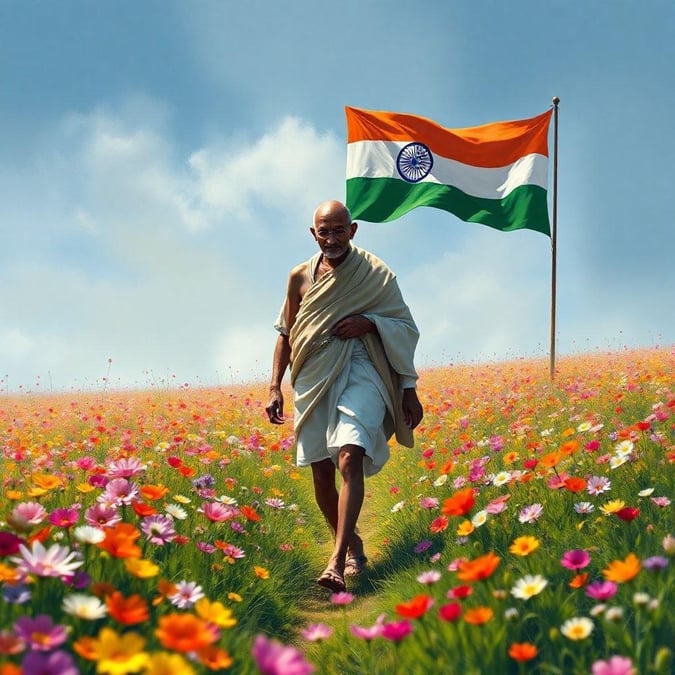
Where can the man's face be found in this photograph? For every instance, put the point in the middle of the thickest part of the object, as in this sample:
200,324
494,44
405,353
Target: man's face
333,233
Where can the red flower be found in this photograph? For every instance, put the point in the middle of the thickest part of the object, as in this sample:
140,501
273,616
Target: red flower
439,524
575,484
460,503
415,608
628,513
450,612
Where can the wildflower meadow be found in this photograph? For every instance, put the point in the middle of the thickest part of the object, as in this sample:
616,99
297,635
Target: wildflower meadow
168,531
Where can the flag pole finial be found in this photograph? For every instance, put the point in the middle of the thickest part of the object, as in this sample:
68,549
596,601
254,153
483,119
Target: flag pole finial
555,100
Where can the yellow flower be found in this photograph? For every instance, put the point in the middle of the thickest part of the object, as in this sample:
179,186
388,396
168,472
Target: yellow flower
8,574
276,492
465,528
294,475
524,545
235,597
215,612
164,663
84,487
36,492
578,628
261,572
612,506
45,481
119,654
181,499
140,568
14,495
623,570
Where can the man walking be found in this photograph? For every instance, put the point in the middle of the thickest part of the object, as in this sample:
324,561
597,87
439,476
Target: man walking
350,340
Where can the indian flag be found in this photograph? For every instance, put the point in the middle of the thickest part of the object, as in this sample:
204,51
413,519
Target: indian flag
494,174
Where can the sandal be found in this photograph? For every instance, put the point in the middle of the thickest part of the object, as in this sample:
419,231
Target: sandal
354,565
332,580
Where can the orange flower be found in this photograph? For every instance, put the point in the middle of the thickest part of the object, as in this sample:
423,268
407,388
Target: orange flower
186,471
46,482
569,447
480,568
86,647
185,633
214,658
550,460
579,580
120,541
415,608
523,651
623,570
448,467
10,669
154,492
460,503
41,535
142,509
575,484
478,615
250,513
261,572
127,611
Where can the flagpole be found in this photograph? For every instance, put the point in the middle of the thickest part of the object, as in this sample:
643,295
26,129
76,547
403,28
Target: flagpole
554,232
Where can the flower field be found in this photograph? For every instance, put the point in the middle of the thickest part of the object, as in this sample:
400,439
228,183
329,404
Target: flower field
168,531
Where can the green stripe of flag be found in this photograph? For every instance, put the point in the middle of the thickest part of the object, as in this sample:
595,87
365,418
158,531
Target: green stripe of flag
380,200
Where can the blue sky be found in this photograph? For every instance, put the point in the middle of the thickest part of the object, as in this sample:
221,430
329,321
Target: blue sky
160,162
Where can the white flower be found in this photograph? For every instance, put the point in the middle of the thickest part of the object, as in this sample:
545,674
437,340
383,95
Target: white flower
511,614
641,598
617,460
480,518
584,426
441,480
578,628
646,492
614,614
501,478
398,506
529,586
84,606
226,499
88,534
175,511
598,609
624,447
55,561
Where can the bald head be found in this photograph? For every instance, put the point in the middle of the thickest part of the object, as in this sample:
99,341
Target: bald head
332,210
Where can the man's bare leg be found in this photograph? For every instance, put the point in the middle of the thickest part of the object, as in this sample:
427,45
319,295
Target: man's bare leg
327,498
350,501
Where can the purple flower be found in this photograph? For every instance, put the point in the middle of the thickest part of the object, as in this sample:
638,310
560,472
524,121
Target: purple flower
396,630
205,547
158,529
596,485
655,563
16,594
601,590
56,663
40,633
274,658
423,546
205,481
576,559
616,665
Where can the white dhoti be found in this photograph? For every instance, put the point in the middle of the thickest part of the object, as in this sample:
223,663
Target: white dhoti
350,413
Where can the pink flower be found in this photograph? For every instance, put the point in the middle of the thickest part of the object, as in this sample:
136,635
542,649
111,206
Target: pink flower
661,501
429,502
217,512
497,505
616,665
342,598
101,515
369,633
602,590
576,559
65,517
30,513
429,577
55,561
274,658
40,633
126,468
528,514
316,632
396,630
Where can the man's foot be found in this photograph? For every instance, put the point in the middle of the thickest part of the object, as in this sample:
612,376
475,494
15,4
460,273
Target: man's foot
354,565
332,580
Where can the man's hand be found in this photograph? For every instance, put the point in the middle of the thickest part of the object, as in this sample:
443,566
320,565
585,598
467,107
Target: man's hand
412,408
275,407
352,327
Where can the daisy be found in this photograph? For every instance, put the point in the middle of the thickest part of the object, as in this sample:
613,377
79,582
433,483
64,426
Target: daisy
158,529
617,460
624,448
441,480
88,534
531,513
596,485
186,594
529,586
101,515
397,507
575,559
501,478
55,561
479,518
126,468
523,546
176,512
30,513
275,503
430,577
578,628
584,426
584,507
119,492
83,606
646,492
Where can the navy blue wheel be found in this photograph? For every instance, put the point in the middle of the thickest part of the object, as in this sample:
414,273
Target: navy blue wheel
414,162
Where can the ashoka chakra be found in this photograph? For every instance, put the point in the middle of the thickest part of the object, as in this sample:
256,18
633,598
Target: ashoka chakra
414,162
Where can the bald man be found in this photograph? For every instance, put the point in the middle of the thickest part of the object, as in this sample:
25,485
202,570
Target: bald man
350,340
